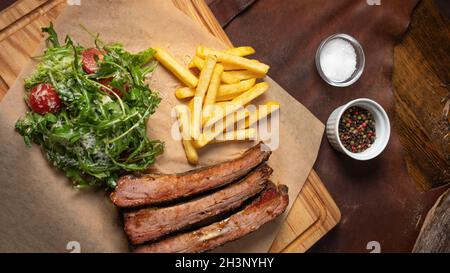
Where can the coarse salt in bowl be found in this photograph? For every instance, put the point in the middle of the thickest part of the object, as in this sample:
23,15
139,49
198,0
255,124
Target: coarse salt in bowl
340,60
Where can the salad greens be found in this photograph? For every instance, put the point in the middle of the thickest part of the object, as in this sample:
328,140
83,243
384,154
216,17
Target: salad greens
97,135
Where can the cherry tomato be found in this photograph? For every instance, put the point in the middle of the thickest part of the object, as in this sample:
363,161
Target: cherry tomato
89,61
106,82
43,99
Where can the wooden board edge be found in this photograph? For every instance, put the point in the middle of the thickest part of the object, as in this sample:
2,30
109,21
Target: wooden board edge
330,216
26,18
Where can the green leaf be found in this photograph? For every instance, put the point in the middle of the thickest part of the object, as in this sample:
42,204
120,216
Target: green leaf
97,136
52,36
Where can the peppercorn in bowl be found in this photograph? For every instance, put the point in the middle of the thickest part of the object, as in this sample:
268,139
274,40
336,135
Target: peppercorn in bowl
359,129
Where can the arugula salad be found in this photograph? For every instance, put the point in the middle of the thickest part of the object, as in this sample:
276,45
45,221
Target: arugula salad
89,109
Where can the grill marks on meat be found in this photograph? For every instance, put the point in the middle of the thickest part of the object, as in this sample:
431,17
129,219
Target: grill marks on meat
156,223
151,223
150,189
271,203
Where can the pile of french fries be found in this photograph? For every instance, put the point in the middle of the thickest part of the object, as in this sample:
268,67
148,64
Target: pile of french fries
218,96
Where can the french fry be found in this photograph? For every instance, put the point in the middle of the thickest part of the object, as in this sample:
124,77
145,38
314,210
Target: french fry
218,111
211,132
219,108
230,91
248,64
211,94
169,62
226,77
190,151
184,93
244,120
240,51
213,127
228,119
244,134
183,122
198,63
261,112
211,110
191,105
237,51
239,101
213,85
202,87
222,104
249,95
192,63
233,76
228,67
225,92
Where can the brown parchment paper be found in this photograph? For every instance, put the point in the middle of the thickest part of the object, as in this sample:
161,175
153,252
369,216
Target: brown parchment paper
40,211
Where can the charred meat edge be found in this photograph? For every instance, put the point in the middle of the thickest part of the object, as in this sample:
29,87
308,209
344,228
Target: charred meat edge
151,189
271,203
151,223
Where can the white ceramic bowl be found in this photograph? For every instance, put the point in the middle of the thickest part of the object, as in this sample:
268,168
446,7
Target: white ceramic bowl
382,129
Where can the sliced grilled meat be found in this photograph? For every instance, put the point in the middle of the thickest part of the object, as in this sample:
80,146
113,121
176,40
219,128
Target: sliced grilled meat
151,223
150,189
271,203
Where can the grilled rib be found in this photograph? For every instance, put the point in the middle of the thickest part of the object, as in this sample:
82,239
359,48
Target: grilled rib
150,189
271,203
151,223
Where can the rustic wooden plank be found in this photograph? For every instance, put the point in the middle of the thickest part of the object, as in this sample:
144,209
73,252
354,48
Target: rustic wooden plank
17,10
420,103
314,212
199,11
33,10
19,41
434,236
3,88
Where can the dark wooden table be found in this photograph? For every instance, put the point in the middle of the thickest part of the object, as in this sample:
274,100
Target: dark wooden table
421,88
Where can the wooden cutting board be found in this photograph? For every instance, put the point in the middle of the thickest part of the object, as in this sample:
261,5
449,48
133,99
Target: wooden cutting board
313,213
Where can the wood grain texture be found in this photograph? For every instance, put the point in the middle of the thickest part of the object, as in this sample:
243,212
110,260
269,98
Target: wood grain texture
314,212
422,104
434,236
20,33
312,215
11,20
199,11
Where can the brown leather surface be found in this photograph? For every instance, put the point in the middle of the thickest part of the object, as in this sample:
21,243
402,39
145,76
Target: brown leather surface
6,3
228,10
377,200
444,7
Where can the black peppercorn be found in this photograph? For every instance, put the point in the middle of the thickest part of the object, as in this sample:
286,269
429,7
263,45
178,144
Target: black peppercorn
357,129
